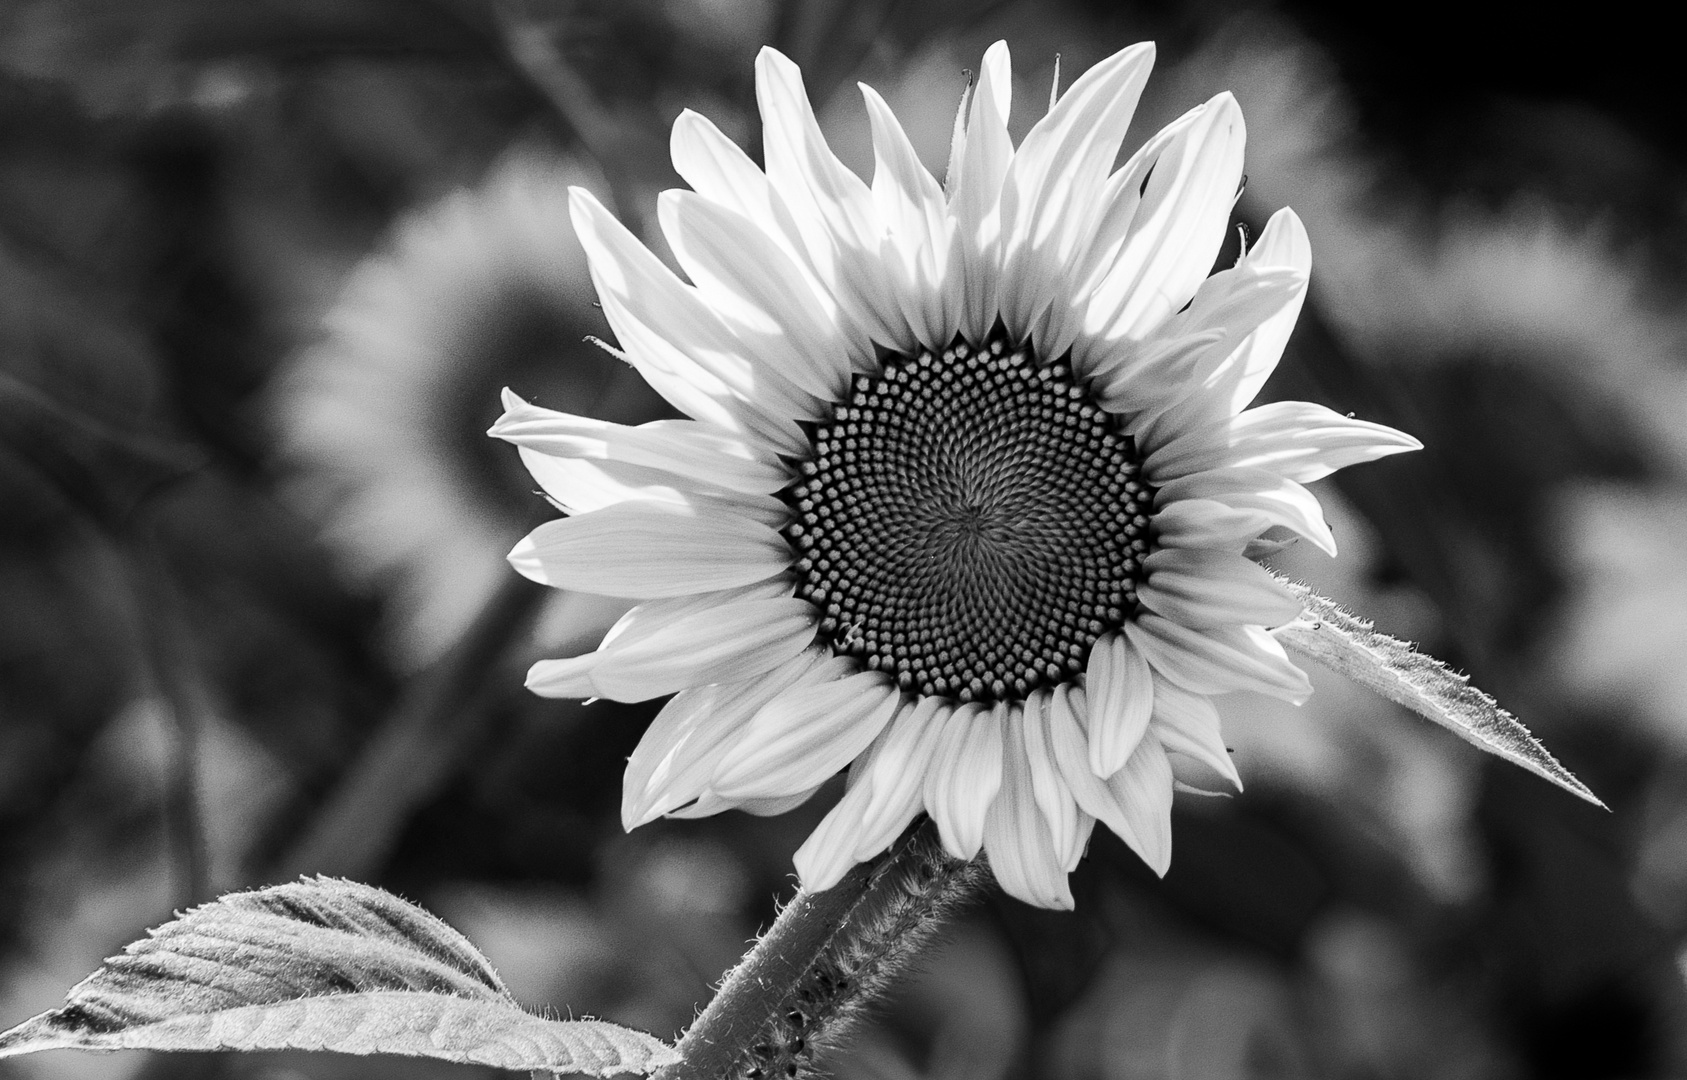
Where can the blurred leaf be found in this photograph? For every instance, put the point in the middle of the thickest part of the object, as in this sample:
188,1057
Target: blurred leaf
1350,646
322,964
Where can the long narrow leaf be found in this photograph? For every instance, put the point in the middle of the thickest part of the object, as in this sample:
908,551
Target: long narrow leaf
322,964
1349,645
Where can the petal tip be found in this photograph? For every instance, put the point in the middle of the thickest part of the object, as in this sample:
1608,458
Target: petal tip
524,559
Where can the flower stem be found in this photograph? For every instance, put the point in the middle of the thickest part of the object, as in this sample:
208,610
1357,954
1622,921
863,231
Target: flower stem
826,957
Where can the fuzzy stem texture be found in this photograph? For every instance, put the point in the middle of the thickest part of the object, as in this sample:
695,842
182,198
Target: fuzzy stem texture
827,957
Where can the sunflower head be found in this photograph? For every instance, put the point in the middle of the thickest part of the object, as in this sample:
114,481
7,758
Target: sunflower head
969,487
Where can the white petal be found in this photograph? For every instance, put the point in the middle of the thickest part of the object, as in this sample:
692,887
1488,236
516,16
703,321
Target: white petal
1143,792
1054,797
1069,745
1134,802
647,550
1207,523
1017,839
719,170
829,852
1235,302
833,209
677,343
1068,741
912,207
758,291
975,198
1219,660
882,797
894,778
1120,691
771,807
1053,189
1238,300
1120,199
1201,588
705,805
677,756
965,774
1176,232
721,643
1187,723
578,486
1285,502
1297,440
1133,378
1283,243
698,452
645,619
805,735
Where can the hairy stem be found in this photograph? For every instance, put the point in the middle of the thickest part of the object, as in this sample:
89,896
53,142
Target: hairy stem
827,956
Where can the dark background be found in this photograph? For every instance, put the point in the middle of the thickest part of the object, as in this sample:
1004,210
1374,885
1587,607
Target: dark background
264,266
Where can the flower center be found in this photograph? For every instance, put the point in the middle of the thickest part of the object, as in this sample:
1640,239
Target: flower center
970,522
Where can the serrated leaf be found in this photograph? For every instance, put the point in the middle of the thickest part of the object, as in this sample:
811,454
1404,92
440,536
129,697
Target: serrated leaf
322,964
1350,645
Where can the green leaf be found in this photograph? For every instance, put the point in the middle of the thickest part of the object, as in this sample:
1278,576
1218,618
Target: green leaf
322,964
1349,645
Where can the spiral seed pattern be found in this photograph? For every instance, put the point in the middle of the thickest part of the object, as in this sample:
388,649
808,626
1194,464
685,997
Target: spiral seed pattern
970,522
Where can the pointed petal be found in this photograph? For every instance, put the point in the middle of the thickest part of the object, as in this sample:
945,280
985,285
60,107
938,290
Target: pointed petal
677,756
965,775
1283,243
975,201
1053,795
957,140
1068,741
1285,502
1297,440
912,207
1201,589
1017,839
719,170
1135,378
648,550
1143,791
883,796
1120,200
698,452
829,852
726,642
758,291
1176,232
833,209
676,342
1187,723
1207,523
805,735
1235,303
893,781
1120,690
1052,193
1219,660
1134,802
578,486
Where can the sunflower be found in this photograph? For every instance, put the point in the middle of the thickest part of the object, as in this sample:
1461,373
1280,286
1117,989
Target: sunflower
969,489
463,290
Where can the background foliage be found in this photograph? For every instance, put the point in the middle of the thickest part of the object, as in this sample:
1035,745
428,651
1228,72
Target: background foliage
264,266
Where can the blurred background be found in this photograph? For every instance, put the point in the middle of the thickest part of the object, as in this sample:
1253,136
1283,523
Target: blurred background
264,266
